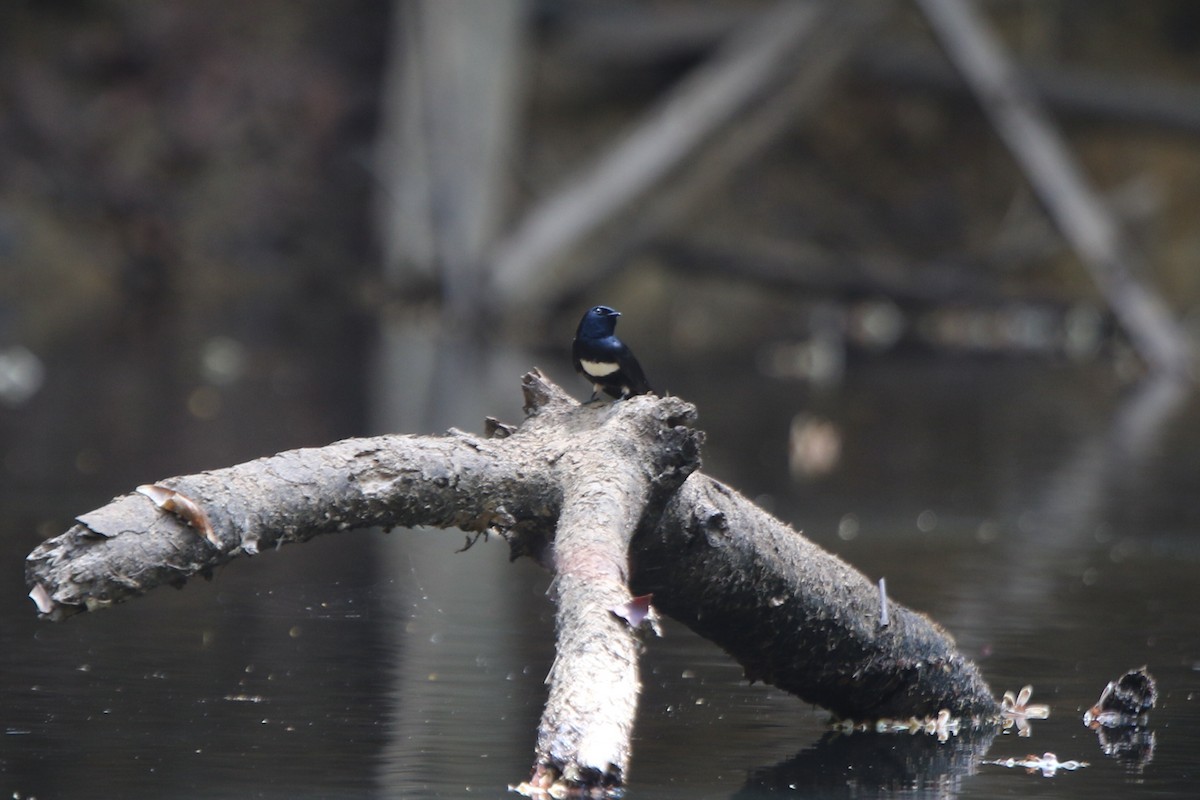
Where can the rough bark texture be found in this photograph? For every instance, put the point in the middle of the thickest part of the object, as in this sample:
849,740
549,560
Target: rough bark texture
621,462
584,489
129,546
796,616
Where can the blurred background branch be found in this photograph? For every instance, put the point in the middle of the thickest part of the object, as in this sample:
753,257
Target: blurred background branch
1042,153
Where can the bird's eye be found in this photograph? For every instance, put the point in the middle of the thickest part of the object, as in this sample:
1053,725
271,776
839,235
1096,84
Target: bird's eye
598,310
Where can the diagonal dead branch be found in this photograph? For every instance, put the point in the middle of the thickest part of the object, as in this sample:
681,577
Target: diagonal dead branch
1042,153
744,68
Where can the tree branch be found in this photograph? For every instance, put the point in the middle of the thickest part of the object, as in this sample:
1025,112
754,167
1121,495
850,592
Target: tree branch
796,616
129,546
606,495
612,477
742,69
1042,154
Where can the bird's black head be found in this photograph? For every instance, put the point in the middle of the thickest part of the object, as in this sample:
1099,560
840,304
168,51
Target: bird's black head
598,322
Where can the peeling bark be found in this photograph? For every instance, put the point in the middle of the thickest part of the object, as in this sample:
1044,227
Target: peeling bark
130,546
606,496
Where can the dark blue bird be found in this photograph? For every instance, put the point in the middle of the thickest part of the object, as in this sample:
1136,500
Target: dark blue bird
604,359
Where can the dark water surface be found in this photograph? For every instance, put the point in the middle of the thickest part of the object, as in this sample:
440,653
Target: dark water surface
1044,515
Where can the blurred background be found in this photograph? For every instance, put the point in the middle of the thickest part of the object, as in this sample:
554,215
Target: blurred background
229,229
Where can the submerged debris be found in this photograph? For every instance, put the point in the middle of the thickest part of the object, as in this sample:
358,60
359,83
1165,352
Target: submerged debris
1124,702
1121,715
1016,711
943,725
1047,764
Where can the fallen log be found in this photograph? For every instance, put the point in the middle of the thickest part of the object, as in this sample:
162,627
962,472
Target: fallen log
608,497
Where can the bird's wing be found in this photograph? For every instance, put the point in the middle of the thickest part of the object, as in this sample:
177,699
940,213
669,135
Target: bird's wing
632,371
